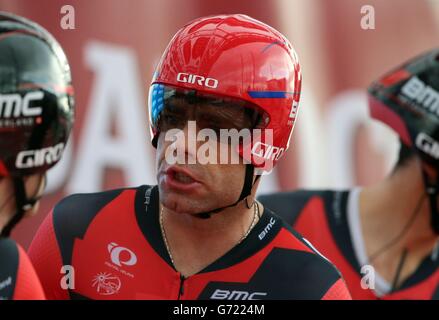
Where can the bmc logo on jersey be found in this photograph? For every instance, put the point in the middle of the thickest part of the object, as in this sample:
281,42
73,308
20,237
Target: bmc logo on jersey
15,106
425,95
121,256
267,229
195,79
237,295
427,144
36,158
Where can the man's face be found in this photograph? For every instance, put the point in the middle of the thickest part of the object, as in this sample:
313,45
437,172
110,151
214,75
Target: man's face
35,186
191,187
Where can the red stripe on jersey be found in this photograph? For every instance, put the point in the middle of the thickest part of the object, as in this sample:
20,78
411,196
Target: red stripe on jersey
46,258
338,291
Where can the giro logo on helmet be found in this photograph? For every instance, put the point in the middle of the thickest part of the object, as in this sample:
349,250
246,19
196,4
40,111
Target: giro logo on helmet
418,91
37,158
267,151
427,144
195,79
14,105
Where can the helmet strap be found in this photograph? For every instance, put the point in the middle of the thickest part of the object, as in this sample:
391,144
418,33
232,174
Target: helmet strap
432,189
22,204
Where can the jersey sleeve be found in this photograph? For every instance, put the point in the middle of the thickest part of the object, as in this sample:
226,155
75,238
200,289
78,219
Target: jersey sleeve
28,286
45,255
52,248
18,279
318,274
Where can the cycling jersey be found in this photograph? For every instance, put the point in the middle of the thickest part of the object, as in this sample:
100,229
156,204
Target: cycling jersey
114,243
330,220
18,279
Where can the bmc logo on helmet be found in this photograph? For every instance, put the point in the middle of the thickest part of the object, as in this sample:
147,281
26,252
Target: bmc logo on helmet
36,158
15,106
267,151
417,90
428,145
200,80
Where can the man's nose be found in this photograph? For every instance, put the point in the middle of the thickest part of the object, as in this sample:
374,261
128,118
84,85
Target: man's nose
186,144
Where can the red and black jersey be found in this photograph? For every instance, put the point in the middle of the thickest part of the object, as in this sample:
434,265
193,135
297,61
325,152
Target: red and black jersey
114,243
328,220
18,279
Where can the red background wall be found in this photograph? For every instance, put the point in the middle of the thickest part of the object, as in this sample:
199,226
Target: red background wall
339,59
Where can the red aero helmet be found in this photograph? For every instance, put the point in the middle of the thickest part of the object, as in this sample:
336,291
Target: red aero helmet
239,57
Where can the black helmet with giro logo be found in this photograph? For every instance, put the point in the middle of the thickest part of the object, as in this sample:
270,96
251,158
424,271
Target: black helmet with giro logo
36,104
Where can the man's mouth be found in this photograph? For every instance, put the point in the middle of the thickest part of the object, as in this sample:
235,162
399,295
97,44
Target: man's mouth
183,178
178,178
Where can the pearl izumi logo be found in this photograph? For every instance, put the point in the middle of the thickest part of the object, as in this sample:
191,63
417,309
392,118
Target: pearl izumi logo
419,92
121,256
196,79
36,158
427,144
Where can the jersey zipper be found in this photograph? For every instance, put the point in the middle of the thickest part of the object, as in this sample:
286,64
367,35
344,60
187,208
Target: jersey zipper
181,290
